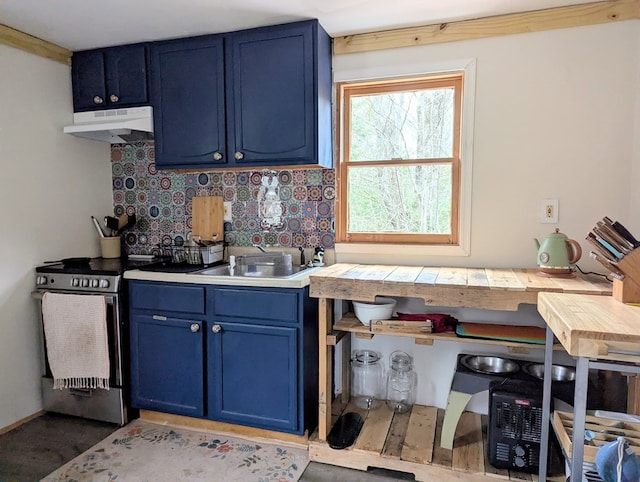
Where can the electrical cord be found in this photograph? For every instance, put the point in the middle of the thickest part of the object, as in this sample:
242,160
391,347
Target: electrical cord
597,274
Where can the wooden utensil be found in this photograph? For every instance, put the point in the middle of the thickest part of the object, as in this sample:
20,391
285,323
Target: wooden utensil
208,217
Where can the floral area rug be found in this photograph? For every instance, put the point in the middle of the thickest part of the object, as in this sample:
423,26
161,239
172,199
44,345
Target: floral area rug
146,452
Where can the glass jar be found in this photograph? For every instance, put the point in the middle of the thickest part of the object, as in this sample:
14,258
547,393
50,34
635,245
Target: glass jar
401,382
367,382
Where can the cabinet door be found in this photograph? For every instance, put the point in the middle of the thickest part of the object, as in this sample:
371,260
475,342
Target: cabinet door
187,95
88,80
252,375
271,110
126,76
167,364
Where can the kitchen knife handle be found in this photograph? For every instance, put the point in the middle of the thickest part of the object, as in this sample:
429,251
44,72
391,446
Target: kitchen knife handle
622,231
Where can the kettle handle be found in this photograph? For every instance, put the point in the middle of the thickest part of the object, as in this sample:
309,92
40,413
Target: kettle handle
577,250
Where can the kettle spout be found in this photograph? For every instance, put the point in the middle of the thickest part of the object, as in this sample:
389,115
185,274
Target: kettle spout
535,240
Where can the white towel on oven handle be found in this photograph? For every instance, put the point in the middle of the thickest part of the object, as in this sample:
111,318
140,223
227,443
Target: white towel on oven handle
75,328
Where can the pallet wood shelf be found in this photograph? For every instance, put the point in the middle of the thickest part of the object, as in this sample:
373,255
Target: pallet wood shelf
481,288
605,429
349,323
408,442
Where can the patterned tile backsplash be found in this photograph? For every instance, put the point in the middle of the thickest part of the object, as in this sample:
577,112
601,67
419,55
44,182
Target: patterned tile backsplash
161,201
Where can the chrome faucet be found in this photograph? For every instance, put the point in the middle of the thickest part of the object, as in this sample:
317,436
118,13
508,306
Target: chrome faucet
259,246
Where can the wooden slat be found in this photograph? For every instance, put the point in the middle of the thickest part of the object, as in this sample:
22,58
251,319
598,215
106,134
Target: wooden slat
418,444
428,276
325,367
20,40
441,456
468,452
536,21
504,279
404,274
376,272
356,273
533,282
332,271
452,277
395,439
374,432
477,278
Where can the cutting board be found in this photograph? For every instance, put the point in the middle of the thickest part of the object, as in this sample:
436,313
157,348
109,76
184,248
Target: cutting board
208,217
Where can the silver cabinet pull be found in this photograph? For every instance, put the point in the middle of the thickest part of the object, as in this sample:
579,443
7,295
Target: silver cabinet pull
114,98
98,100
217,156
216,328
195,327
159,318
239,156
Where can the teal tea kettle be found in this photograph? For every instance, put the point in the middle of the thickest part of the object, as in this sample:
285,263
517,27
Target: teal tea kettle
557,254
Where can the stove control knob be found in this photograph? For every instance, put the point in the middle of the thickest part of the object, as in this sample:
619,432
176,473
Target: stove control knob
41,280
519,462
94,283
85,282
518,450
104,283
75,282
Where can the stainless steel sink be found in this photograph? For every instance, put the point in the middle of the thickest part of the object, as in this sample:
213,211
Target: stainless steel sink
223,270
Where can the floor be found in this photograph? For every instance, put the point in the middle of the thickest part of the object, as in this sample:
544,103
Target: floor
38,447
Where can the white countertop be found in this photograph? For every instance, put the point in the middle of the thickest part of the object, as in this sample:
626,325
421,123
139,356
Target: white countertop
299,280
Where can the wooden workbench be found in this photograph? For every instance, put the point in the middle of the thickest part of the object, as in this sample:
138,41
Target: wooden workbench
483,288
601,333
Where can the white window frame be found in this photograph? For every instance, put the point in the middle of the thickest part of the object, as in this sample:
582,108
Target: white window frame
378,252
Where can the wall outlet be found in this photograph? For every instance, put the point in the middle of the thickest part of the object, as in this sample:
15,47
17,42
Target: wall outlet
227,211
549,211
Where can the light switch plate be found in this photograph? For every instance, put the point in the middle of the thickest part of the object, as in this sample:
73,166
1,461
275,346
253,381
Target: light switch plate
227,211
549,211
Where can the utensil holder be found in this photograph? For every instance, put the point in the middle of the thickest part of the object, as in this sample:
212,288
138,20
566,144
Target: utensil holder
628,289
110,246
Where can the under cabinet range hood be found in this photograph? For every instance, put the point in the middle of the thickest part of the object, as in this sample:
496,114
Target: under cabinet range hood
115,126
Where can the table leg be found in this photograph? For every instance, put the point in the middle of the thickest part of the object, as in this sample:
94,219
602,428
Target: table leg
325,368
546,405
579,416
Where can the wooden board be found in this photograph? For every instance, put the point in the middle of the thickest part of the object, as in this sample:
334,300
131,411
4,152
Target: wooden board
208,217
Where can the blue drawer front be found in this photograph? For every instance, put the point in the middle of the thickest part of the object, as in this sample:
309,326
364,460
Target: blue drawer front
167,297
264,304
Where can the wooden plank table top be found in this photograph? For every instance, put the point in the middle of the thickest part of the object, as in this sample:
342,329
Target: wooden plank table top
593,326
487,288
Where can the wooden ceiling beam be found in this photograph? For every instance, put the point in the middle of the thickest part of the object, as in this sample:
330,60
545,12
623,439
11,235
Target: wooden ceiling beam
20,40
536,21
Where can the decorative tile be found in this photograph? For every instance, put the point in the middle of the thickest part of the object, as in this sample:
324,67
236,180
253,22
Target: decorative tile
161,201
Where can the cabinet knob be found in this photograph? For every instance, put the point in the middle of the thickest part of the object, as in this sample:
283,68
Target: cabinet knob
98,100
114,98
239,156
216,328
195,327
217,156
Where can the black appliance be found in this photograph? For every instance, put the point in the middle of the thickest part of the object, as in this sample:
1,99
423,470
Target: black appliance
515,425
91,277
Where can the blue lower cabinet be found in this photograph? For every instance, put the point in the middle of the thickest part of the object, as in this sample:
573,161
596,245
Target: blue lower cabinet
167,364
252,375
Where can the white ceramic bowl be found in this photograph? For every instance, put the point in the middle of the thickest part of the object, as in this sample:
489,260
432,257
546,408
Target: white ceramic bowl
381,309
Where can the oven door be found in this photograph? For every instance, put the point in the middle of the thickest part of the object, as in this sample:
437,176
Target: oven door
98,404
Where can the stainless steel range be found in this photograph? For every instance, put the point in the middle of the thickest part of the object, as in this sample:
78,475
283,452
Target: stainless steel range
90,277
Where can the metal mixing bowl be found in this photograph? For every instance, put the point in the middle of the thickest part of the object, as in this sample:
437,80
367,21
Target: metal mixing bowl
559,373
492,365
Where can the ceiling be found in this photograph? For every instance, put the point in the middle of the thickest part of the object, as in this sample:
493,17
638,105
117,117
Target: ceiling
86,24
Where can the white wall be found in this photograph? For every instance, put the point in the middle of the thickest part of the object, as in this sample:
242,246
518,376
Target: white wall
50,185
556,116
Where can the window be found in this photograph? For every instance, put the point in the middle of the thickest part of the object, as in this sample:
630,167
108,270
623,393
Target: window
400,168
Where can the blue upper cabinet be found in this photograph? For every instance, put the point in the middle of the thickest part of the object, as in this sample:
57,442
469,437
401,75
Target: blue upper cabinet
110,78
187,93
253,98
279,96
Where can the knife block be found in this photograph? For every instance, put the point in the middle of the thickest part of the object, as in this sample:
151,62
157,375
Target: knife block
628,289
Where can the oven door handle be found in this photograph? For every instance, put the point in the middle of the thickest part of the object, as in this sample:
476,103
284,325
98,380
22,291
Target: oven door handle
110,299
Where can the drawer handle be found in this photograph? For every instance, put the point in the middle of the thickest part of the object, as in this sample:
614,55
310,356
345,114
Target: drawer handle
217,156
195,327
114,98
216,328
159,318
239,156
97,100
